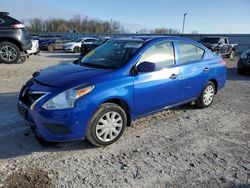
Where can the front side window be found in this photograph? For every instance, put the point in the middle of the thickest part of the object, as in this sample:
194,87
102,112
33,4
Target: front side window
190,53
112,54
162,54
90,40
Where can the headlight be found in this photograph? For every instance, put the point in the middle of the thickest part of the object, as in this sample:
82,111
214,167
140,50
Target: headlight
67,98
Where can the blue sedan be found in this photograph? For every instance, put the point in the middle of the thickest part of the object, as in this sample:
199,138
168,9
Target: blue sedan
99,95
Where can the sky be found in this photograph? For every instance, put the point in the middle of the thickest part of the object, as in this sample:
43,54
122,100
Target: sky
204,16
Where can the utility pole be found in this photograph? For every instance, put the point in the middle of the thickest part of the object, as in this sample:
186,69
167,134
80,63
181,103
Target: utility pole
183,26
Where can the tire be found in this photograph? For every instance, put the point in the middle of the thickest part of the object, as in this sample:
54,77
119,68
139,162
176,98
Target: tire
50,48
96,133
9,53
231,54
240,69
76,49
38,51
207,95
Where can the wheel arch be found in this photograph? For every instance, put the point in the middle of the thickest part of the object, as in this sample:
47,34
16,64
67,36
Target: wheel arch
124,105
214,81
14,41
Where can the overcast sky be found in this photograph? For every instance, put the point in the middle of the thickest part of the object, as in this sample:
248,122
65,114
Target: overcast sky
204,16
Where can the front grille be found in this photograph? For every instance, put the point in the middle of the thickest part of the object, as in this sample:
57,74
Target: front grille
57,129
28,97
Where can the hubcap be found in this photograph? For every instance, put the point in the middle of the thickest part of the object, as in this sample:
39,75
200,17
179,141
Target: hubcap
109,126
208,95
8,53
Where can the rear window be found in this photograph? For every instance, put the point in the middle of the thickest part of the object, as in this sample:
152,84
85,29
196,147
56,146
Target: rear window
7,20
190,53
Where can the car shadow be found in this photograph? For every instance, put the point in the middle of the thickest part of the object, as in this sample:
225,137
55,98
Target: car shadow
17,139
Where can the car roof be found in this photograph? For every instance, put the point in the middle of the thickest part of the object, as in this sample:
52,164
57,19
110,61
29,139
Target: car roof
152,38
214,37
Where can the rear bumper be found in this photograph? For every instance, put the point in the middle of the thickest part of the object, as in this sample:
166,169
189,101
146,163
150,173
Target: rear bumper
244,64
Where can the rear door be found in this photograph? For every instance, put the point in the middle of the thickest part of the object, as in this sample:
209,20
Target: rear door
161,88
194,70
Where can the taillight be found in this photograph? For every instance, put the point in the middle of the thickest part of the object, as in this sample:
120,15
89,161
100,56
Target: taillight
18,26
223,62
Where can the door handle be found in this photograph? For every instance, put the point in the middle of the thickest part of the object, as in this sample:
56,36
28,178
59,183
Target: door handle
206,69
173,76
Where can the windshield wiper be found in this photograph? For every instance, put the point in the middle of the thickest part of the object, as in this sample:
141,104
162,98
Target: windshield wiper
95,65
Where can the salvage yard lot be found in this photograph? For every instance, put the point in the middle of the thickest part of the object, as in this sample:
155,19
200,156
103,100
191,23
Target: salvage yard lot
182,147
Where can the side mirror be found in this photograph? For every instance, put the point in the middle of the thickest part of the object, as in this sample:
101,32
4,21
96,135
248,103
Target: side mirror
146,67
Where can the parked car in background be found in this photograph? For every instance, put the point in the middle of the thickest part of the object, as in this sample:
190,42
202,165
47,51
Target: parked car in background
75,46
244,62
123,79
53,44
14,40
220,45
86,48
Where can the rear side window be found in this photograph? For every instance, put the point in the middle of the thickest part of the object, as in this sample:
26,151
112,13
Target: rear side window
1,21
162,54
190,53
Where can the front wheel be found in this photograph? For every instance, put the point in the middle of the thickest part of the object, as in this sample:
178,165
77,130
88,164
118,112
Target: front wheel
240,69
232,54
107,125
76,49
207,96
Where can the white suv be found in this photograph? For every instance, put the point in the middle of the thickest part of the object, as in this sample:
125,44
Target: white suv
75,45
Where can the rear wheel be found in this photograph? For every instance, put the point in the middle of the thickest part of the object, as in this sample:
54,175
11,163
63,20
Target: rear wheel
50,48
9,52
107,125
207,96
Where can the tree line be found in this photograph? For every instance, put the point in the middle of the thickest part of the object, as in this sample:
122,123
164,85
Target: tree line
86,24
76,24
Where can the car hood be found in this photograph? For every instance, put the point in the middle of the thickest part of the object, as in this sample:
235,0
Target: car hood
68,75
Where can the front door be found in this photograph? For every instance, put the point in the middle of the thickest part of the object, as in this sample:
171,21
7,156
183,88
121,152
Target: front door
161,88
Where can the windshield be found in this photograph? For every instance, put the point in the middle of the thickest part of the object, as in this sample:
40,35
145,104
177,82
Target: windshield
112,54
78,40
211,40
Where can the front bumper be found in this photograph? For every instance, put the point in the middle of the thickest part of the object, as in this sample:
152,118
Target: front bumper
56,125
68,48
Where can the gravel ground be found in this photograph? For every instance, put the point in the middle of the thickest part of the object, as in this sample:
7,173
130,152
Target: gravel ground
182,147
